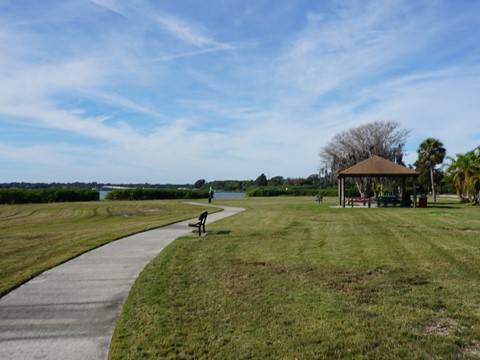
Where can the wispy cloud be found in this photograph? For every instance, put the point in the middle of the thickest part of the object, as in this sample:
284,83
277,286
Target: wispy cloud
108,4
353,46
184,31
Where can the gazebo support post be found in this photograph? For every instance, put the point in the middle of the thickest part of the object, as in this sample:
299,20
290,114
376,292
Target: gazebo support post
339,181
414,193
341,191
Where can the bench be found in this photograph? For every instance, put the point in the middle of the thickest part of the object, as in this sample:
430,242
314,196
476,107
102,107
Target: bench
360,199
200,223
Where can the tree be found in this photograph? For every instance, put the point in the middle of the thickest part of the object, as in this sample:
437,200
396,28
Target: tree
276,181
261,180
313,180
347,148
465,170
431,153
199,184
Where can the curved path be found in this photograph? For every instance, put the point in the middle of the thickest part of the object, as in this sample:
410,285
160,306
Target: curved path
70,311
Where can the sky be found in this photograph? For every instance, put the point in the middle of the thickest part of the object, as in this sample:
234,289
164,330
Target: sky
163,91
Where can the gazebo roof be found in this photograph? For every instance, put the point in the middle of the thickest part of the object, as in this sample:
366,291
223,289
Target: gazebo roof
377,166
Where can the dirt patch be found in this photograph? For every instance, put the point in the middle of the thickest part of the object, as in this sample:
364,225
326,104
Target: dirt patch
133,214
473,350
442,327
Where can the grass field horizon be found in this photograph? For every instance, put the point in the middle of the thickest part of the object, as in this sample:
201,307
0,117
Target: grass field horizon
290,279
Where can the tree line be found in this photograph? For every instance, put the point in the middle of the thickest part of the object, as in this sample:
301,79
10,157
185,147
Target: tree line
156,194
311,181
88,185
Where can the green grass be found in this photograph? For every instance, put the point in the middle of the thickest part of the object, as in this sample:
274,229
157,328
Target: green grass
36,237
289,279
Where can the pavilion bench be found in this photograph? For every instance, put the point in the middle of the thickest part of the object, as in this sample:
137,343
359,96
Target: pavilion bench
200,223
362,200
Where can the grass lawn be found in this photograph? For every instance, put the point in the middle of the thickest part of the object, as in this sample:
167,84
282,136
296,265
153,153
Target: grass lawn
36,237
289,279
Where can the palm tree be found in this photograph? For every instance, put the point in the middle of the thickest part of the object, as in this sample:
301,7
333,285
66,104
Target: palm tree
431,153
465,170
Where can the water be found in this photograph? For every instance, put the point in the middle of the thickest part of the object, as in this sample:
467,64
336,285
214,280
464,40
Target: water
227,194
103,193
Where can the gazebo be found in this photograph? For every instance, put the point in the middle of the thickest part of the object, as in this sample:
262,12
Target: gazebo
376,167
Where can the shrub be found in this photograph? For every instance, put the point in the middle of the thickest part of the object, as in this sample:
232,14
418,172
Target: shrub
268,191
155,194
37,196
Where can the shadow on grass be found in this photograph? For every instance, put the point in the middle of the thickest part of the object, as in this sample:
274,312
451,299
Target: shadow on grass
220,232
443,205
194,234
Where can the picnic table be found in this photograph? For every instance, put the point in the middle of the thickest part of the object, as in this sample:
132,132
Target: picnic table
387,199
359,199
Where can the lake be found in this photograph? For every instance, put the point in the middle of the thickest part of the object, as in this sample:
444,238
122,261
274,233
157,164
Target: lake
227,194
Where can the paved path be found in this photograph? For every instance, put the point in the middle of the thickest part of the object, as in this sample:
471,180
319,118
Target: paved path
70,311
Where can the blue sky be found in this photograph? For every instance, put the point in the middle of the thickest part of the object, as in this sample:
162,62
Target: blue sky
175,91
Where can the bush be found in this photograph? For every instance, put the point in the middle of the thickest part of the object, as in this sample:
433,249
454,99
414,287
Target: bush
156,194
37,196
268,191
296,191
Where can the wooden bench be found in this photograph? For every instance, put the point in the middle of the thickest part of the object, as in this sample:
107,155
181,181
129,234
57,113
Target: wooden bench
200,223
361,200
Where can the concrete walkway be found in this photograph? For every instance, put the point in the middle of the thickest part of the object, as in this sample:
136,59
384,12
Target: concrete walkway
70,311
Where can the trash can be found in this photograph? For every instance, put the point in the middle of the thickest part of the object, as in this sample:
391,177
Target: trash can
423,201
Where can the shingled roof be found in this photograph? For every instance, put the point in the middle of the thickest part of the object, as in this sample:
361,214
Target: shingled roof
377,166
